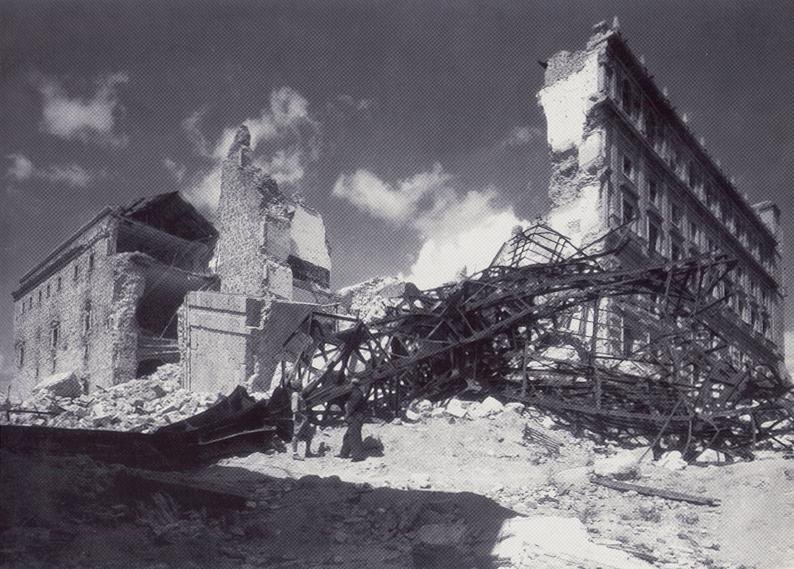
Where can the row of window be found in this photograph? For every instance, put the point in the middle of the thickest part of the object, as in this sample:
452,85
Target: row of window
641,112
681,228
55,337
45,291
753,311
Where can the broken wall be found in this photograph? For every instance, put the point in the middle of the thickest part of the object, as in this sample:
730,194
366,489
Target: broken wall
74,318
253,223
268,243
578,151
229,340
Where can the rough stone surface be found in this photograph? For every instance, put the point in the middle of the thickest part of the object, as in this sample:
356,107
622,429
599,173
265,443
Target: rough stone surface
488,407
65,384
672,460
265,238
140,405
624,465
249,332
85,307
456,408
370,299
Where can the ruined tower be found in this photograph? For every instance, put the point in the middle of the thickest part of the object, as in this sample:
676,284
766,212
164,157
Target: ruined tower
274,268
270,245
254,228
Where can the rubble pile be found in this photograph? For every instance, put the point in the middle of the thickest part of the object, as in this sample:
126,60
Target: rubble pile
140,405
459,483
369,300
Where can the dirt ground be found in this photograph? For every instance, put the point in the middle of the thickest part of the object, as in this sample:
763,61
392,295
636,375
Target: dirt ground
446,492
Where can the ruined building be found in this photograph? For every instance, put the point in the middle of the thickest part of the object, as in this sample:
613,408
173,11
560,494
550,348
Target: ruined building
622,155
274,267
156,282
103,304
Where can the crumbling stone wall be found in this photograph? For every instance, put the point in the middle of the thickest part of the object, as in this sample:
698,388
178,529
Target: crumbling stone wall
578,186
128,286
72,293
253,226
230,340
267,241
78,311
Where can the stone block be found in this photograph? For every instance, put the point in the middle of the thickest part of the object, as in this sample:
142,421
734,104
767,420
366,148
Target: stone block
456,408
488,407
624,465
672,461
65,384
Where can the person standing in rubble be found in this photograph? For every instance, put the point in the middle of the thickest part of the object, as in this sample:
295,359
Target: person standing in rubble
302,428
355,410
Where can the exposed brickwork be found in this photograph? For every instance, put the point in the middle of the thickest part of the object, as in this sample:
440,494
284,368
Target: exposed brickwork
266,239
75,299
105,304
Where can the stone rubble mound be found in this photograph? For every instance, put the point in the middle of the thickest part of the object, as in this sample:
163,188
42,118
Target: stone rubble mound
368,300
140,405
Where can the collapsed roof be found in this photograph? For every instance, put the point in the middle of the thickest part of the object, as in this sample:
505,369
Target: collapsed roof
548,324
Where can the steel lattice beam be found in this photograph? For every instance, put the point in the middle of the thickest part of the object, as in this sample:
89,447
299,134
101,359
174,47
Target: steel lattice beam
545,324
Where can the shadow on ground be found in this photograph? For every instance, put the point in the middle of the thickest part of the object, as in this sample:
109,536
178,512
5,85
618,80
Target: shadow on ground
74,512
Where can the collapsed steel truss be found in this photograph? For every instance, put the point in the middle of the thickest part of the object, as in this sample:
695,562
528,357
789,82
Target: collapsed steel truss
624,353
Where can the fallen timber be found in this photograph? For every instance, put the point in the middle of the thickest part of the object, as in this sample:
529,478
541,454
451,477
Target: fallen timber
236,424
629,354
658,492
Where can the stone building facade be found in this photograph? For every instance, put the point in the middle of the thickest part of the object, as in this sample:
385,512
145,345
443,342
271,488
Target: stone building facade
622,155
103,304
155,282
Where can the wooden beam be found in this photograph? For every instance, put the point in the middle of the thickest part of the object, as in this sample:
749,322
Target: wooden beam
650,491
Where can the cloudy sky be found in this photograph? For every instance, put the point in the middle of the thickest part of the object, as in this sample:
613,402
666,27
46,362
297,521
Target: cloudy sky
412,126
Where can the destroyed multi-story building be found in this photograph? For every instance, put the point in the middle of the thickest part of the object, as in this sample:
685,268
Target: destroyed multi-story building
622,155
103,304
156,282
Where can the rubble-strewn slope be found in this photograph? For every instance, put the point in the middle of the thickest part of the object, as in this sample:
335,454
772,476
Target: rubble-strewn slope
459,485
139,405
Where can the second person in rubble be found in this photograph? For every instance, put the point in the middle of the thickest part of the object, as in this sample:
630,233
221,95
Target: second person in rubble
355,412
302,427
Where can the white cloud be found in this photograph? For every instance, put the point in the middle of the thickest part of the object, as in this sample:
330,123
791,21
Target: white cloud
789,348
22,169
285,117
285,126
465,233
177,171
286,165
458,230
204,190
91,119
191,126
397,202
70,174
521,135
